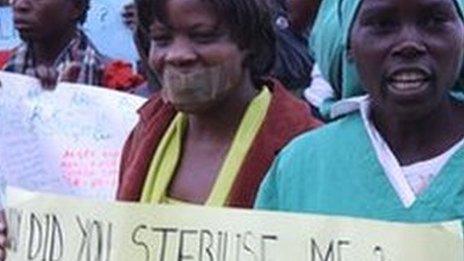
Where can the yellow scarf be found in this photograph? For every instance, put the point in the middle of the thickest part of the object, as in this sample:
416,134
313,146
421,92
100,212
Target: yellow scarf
167,155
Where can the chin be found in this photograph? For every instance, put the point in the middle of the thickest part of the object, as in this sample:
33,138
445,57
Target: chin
193,108
26,37
411,112
31,36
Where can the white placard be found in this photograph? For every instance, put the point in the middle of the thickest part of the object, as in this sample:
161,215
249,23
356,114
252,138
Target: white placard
64,141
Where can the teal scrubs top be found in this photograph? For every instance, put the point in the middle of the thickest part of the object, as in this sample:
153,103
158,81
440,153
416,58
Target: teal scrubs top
334,170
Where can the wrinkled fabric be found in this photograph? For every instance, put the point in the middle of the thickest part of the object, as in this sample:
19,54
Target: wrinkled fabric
286,118
325,43
169,152
80,49
322,175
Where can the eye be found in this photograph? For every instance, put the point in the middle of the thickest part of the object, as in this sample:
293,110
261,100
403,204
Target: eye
381,24
205,37
434,20
161,39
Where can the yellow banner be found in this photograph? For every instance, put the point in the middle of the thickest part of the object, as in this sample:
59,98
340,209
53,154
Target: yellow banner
53,228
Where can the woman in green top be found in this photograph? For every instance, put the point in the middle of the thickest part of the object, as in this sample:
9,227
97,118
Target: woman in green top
397,154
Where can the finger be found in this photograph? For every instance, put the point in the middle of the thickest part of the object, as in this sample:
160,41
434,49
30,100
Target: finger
77,54
129,7
52,78
3,241
41,74
71,72
48,76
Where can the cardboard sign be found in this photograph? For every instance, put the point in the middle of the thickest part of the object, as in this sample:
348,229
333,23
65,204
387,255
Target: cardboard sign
46,227
64,141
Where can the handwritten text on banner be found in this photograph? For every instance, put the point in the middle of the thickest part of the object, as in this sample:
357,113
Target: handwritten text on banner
44,227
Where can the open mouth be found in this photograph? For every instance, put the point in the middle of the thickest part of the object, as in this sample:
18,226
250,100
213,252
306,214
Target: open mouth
408,82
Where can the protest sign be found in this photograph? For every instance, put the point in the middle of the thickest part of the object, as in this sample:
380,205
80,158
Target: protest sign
65,141
107,31
51,228
9,37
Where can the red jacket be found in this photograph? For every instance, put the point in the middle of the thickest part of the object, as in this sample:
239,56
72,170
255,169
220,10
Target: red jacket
286,118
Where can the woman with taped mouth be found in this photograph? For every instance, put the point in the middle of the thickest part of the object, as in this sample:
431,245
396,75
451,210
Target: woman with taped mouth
212,132
397,153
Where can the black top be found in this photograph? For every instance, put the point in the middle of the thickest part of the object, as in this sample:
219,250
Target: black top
293,62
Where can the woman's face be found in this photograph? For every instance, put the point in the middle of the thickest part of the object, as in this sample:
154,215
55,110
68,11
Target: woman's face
408,53
194,41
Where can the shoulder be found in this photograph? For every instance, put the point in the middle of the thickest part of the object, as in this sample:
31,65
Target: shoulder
289,110
13,59
305,163
154,118
322,143
155,109
91,52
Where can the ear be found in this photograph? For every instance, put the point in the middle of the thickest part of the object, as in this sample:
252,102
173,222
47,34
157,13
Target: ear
248,56
350,55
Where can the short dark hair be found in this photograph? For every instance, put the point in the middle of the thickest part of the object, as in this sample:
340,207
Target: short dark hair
85,9
249,22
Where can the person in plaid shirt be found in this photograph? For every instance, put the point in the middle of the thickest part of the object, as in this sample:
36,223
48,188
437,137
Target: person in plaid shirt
54,47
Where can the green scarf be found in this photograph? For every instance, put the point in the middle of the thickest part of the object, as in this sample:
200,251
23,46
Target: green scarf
325,42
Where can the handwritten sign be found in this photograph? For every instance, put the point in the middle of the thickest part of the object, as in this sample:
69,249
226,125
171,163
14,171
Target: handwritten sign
64,141
45,227
104,26
9,38
106,29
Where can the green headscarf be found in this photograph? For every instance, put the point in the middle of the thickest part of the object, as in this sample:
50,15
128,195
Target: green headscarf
348,13
326,48
325,42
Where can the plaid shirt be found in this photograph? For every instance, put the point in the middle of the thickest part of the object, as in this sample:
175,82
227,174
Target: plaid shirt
80,49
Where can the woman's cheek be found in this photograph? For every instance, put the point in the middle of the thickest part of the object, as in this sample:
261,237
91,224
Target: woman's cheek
156,63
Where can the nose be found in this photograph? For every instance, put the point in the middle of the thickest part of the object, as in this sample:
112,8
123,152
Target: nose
410,45
180,53
409,50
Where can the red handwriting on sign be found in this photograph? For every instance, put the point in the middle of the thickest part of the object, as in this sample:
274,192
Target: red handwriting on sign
86,168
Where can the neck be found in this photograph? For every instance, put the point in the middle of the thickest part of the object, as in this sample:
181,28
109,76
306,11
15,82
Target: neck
423,138
47,51
222,121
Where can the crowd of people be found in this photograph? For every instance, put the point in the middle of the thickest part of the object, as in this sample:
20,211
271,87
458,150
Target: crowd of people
331,107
